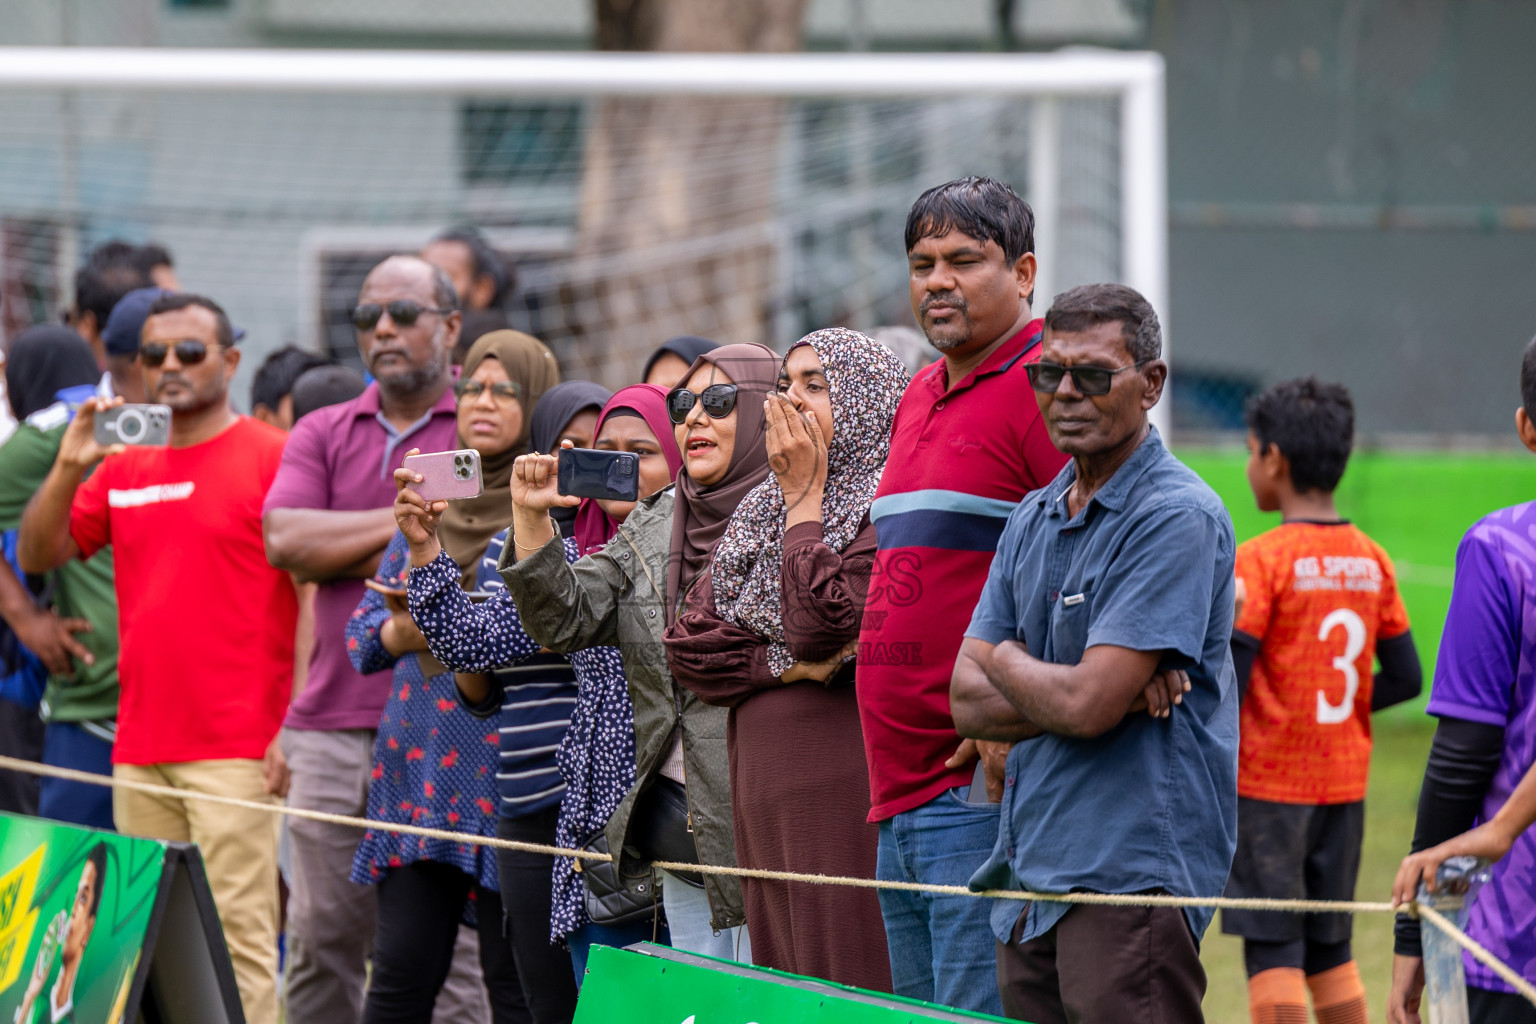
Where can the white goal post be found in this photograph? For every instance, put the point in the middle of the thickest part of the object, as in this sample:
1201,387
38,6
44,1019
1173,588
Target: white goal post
1134,79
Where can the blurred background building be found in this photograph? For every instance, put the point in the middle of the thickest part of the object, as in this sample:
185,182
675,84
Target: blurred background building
1348,181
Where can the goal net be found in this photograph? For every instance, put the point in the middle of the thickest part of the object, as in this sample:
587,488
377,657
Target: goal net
635,197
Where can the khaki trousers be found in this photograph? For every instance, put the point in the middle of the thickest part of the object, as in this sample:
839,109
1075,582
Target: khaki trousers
239,849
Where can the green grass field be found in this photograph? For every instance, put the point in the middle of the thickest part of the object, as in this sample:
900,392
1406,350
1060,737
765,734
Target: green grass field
1417,506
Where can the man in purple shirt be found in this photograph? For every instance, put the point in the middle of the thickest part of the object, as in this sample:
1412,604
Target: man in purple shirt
327,520
1485,697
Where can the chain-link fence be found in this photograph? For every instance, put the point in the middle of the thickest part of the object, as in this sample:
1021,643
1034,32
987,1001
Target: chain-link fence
626,220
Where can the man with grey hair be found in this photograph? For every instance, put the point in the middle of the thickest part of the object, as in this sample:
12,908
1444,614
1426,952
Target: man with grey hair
1117,574
326,520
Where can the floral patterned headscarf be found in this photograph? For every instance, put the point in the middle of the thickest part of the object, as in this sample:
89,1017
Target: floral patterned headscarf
866,382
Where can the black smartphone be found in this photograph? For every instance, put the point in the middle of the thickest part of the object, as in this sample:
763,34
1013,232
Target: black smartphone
589,473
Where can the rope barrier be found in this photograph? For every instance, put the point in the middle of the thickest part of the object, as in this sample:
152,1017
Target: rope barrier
1429,914
1478,953
1101,899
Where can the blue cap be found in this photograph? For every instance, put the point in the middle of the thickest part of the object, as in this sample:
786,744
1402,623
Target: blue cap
126,324
121,335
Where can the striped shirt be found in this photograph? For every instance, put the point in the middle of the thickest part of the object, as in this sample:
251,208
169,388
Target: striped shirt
532,694
961,458
597,752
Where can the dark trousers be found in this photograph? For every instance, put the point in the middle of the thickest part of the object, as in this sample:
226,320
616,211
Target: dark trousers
1485,1007
67,745
526,879
420,907
21,736
1104,965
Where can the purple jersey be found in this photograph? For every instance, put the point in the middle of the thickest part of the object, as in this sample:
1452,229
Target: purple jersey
1487,673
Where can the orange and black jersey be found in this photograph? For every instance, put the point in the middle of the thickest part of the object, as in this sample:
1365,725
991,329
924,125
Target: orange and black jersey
1322,601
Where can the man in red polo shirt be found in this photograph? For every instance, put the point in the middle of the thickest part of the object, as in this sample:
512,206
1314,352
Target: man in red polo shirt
967,444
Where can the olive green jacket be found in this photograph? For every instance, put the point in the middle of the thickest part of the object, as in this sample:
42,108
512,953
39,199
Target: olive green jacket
616,596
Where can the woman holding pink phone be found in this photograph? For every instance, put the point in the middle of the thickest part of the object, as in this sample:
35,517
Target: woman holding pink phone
435,764
597,753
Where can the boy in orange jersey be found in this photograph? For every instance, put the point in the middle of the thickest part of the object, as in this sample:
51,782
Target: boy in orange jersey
1318,602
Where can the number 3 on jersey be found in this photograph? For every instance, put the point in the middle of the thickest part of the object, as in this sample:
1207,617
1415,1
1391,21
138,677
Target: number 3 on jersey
1354,644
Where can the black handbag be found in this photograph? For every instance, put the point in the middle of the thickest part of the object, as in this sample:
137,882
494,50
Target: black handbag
658,827
616,897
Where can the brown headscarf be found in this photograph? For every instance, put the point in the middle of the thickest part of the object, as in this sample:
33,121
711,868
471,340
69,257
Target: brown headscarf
469,525
700,514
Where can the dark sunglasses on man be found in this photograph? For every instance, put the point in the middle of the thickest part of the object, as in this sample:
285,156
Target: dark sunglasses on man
189,352
1089,380
718,401
404,312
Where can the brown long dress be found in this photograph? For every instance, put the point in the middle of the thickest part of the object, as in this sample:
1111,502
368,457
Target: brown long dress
799,779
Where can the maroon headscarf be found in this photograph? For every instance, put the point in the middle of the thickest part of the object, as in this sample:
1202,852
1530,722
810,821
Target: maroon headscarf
593,527
701,513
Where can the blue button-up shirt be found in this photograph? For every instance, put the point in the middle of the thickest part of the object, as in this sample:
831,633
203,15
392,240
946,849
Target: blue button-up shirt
1146,564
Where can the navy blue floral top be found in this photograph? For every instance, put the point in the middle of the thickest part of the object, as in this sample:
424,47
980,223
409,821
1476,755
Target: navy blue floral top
434,764
596,756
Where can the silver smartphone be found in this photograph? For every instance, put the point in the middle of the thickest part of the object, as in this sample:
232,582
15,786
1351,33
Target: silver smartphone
134,424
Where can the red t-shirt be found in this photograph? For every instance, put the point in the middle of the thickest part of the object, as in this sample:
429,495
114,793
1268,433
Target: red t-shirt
961,458
204,622
1320,595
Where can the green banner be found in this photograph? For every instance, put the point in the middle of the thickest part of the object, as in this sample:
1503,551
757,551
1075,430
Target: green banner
649,984
74,908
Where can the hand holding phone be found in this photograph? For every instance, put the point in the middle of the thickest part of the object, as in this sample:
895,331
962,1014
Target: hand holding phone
78,448
590,473
446,476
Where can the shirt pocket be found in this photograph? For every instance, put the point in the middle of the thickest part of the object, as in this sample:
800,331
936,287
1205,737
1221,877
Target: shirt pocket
1069,626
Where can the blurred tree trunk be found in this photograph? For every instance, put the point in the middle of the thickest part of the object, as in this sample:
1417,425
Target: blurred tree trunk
675,229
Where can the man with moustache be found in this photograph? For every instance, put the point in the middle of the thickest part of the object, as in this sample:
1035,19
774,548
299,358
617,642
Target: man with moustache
328,519
1117,571
184,523
973,444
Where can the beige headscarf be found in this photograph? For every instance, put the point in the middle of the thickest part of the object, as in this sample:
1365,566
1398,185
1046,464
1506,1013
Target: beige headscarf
469,525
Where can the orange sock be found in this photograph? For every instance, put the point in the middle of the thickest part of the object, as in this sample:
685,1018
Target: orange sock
1338,996
1278,996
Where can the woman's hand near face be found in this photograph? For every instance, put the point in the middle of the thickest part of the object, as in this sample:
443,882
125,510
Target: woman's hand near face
417,517
797,454
536,490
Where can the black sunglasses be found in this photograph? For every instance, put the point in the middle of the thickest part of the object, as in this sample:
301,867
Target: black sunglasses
1090,380
404,312
188,353
718,401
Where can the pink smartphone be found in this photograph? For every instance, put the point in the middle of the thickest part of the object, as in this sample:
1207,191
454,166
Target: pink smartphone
446,476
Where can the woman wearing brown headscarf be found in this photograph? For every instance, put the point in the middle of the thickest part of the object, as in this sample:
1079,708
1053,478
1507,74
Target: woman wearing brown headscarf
526,364
435,763
624,595
770,633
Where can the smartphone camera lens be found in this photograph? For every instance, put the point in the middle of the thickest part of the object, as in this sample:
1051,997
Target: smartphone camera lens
131,426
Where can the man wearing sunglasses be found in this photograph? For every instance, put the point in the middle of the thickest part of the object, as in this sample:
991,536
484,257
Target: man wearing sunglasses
971,445
206,657
81,704
328,519
1116,572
